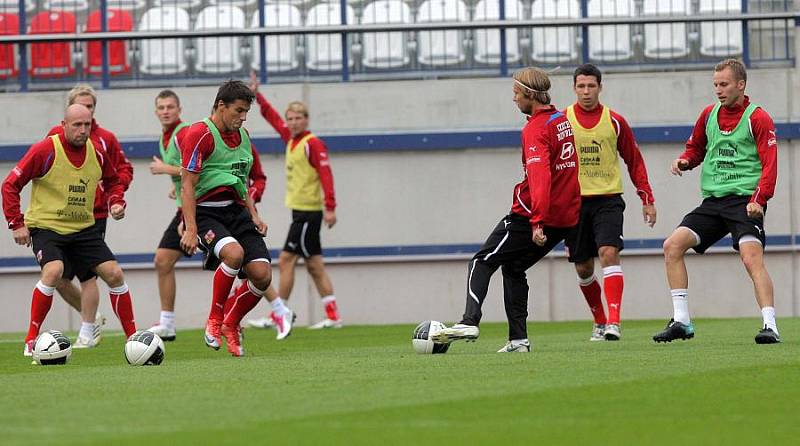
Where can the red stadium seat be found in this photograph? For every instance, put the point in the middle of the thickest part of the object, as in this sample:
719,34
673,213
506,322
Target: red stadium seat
52,59
9,25
118,63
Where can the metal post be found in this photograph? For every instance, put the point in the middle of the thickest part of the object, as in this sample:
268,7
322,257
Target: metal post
262,41
23,48
503,53
585,32
745,38
106,77
345,55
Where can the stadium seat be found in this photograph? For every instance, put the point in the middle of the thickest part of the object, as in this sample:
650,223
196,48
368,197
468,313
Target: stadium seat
163,56
9,26
219,54
441,47
12,6
118,62
52,59
237,3
556,44
281,50
487,42
610,43
73,6
666,40
324,51
126,5
720,39
190,5
387,49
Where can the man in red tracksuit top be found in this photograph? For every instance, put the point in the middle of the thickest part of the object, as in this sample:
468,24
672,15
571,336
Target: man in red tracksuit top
546,206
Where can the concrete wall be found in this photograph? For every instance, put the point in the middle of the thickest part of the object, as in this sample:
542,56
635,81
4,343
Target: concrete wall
432,198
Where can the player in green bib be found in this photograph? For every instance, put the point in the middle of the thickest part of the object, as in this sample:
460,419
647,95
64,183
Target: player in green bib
735,143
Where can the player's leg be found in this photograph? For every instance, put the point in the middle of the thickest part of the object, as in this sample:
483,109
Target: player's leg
316,268
70,293
271,296
42,300
90,333
582,252
675,247
607,224
165,260
119,294
287,263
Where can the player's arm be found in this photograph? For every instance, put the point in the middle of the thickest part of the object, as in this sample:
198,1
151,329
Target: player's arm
268,111
159,167
637,170
767,144
537,167
695,150
114,189
121,162
35,163
319,160
261,227
257,180
189,181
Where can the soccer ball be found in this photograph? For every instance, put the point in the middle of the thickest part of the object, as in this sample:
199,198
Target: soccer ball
144,348
421,340
52,347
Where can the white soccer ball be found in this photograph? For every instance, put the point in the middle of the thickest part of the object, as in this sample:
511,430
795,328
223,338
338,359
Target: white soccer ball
144,348
52,347
421,340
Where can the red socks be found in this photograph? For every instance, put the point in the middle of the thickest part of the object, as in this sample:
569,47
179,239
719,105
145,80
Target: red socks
242,288
243,302
331,310
613,283
223,281
123,308
41,302
592,292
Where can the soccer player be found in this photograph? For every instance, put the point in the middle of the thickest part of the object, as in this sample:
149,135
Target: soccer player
546,206
603,136
734,142
219,213
308,178
59,223
87,299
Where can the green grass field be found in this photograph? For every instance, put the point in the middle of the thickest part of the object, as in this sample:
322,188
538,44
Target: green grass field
364,385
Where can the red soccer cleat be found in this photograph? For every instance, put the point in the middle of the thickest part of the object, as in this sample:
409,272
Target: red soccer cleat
234,340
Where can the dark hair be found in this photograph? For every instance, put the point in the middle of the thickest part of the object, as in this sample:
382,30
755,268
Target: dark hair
587,69
233,90
168,94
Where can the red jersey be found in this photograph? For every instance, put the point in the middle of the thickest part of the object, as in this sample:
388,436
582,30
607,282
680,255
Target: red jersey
196,143
626,146
316,151
38,160
105,140
549,194
763,130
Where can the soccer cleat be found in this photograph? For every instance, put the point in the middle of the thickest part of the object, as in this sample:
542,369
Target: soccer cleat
233,336
262,322
326,323
165,333
83,342
612,332
675,330
283,324
28,349
767,336
516,347
458,331
597,332
213,334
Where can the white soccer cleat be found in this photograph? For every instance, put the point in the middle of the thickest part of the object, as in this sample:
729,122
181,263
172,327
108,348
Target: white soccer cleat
326,323
458,331
598,333
283,324
262,322
163,332
612,332
83,342
213,334
516,347
28,349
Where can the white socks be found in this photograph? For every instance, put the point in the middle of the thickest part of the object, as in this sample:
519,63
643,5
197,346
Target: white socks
680,305
278,307
87,330
167,319
768,313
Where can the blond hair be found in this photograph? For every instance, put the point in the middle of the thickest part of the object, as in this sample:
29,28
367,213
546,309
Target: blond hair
297,107
535,82
737,68
81,90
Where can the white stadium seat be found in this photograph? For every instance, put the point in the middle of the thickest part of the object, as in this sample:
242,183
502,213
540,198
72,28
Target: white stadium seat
720,39
487,42
610,43
281,50
385,50
441,47
554,44
163,56
666,40
219,54
324,51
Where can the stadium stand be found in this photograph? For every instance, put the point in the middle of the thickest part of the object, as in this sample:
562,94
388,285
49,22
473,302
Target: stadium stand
487,42
219,54
164,56
118,60
556,44
386,50
52,59
324,51
666,40
73,6
720,39
441,47
9,25
610,43
281,50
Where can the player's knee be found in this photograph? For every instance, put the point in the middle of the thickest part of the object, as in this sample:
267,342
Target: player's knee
51,273
114,276
609,255
262,280
315,268
232,255
672,249
164,264
752,261
585,269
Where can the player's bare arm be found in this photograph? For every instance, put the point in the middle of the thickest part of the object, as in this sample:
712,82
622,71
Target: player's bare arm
159,167
754,210
679,166
188,185
261,227
649,213
329,215
22,236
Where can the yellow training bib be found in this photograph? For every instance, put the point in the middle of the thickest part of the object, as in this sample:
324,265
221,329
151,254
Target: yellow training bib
598,158
303,188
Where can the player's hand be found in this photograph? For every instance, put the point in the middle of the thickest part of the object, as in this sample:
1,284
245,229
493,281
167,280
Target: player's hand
22,236
157,167
172,193
261,227
253,81
117,211
649,213
329,217
678,166
189,240
754,210
538,236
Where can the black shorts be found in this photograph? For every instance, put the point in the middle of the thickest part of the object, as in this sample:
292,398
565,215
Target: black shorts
81,252
303,237
717,217
511,243
171,239
216,223
100,226
600,224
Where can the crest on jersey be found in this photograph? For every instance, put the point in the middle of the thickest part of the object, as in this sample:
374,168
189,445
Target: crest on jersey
567,150
209,237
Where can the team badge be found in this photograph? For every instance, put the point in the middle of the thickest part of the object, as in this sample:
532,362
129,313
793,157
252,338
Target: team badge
209,237
39,257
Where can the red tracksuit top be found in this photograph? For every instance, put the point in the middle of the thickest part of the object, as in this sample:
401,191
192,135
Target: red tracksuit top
549,194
